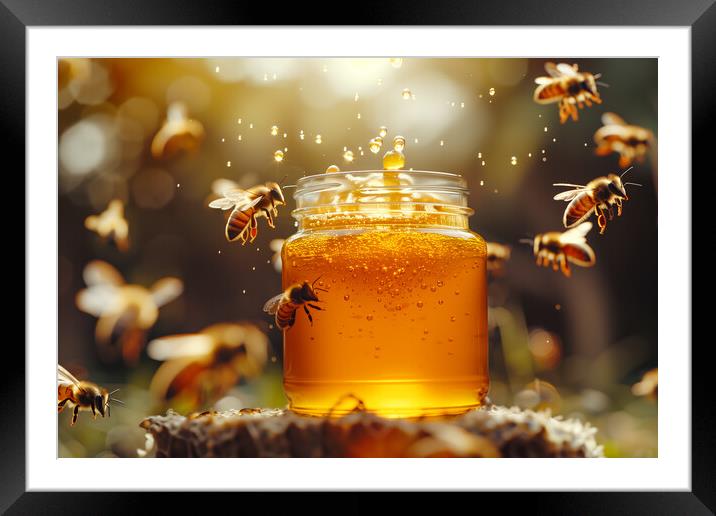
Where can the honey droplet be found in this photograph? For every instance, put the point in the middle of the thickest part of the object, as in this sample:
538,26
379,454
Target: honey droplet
274,130
332,169
399,143
348,156
278,155
406,94
492,92
393,160
382,131
374,146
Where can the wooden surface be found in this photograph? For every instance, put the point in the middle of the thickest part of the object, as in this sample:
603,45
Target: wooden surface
488,432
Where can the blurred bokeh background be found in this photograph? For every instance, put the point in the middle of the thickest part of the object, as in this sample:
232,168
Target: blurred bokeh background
576,346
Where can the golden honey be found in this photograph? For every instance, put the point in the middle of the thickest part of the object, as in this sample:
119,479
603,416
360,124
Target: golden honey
404,320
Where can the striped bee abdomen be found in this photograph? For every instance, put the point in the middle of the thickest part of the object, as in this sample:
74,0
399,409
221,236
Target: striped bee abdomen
238,223
550,91
578,210
286,314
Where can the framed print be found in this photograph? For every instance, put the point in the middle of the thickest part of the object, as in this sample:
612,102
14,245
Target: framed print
359,258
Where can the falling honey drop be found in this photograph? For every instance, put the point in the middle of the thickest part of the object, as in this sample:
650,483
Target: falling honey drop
393,160
398,143
382,131
374,145
278,155
332,169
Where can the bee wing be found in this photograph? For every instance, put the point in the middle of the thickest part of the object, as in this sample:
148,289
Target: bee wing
612,119
166,290
569,194
98,272
271,305
174,346
97,299
64,377
580,254
552,69
543,80
249,203
578,210
567,69
221,186
576,235
222,204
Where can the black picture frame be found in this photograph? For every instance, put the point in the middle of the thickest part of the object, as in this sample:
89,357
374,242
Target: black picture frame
17,15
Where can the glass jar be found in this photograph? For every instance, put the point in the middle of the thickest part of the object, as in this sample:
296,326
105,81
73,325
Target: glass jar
401,281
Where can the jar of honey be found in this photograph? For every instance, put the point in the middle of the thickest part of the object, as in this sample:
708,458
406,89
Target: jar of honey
401,283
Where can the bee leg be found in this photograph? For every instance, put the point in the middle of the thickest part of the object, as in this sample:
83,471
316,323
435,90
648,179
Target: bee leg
310,317
61,405
619,207
75,413
315,307
269,218
610,211
94,412
587,102
601,220
564,265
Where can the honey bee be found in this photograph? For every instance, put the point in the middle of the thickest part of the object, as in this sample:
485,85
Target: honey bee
631,142
497,255
247,206
284,305
81,395
569,87
202,367
111,224
597,196
558,249
124,312
179,133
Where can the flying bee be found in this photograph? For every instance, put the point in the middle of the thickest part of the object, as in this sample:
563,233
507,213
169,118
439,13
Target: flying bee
124,312
569,87
260,200
202,367
284,305
497,255
597,196
631,142
559,249
179,133
81,395
111,224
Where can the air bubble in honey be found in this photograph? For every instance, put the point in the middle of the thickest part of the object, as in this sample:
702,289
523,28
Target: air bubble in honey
332,169
278,155
393,160
398,143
